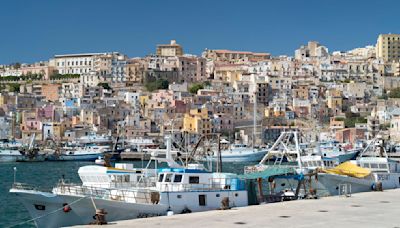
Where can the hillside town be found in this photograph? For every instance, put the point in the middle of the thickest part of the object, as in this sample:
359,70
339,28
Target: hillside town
245,97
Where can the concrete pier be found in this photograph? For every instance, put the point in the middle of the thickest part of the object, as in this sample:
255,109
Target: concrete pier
371,209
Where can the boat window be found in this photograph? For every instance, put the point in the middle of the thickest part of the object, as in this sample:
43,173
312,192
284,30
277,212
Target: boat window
217,195
202,200
127,178
168,177
179,196
382,166
194,180
160,177
39,207
177,178
374,166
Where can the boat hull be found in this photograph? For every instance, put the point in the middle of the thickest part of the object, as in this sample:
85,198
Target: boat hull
83,208
331,182
10,155
239,157
74,157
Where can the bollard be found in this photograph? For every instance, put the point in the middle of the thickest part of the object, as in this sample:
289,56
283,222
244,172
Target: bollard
378,186
225,203
99,217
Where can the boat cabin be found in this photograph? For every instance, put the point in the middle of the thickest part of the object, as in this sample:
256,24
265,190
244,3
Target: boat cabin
123,175
180,179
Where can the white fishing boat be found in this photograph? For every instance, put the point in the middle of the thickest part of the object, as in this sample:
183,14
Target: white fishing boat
132,193
10,151
371,168
239,153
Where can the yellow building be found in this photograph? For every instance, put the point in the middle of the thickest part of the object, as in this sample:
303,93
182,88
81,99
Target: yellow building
197,121
172,49
388,47
334,99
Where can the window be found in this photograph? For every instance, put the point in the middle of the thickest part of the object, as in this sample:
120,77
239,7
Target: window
179,196
177,178
202,200
218,195
382,166
160,177
194,180
168,177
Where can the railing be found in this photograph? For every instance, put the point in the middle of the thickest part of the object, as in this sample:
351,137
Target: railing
28,187
260,168
133,196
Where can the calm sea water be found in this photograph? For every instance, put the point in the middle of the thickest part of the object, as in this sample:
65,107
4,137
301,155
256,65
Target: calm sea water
46,175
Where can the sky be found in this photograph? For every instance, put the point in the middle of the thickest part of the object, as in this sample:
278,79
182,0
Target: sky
35,30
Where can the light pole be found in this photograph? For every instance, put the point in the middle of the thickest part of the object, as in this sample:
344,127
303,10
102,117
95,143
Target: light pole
15,174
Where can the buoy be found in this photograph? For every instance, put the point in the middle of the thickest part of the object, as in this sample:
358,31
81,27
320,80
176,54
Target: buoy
66,208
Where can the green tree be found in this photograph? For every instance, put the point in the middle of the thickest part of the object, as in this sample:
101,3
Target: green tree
158,84
195,87
105,85
13,87
395,93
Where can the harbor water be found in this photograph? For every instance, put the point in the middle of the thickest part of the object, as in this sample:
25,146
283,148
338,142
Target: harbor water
46,175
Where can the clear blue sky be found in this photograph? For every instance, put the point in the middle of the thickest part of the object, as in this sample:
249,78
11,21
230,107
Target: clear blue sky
33,30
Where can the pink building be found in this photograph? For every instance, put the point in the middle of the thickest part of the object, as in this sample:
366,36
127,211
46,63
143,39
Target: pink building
163,95
45,112
179,106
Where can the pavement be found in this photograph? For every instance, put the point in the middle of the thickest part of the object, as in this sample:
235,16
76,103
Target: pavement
370,209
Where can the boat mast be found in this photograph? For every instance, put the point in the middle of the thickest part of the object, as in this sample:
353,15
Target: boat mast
254,119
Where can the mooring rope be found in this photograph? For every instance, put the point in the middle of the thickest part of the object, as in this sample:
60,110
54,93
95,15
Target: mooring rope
42,216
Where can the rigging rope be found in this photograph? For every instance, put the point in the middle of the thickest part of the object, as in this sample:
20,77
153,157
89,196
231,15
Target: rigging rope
42,216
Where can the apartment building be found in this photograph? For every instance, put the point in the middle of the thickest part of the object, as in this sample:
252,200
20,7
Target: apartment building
172,49
388,47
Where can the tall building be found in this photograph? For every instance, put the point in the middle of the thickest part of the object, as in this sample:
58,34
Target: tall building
388,47
172,49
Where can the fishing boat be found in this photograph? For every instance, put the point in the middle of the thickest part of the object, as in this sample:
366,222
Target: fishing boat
332,149
129,193
370,169
88,152
10,151
239,153
286,154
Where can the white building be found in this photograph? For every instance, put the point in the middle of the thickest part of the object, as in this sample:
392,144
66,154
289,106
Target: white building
75,63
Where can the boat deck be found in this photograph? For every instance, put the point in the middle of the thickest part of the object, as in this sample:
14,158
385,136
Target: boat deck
371,209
